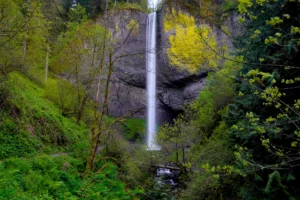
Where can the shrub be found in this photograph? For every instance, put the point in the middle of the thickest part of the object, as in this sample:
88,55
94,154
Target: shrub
134,129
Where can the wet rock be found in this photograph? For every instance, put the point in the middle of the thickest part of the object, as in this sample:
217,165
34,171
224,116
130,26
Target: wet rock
175,87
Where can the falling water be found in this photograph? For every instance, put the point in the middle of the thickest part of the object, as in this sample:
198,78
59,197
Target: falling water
74,4
151,77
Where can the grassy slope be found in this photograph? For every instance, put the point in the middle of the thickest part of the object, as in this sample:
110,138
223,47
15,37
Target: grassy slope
48,177
32,126
30,123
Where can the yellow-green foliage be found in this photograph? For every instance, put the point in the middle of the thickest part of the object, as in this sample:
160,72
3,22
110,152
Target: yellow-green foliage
243,5
11,17
142,7
63,94
172,21
36,36
191,47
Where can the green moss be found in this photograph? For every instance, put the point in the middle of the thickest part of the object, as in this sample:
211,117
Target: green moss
134,129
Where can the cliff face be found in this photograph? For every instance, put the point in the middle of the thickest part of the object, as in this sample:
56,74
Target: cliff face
127,87
174,87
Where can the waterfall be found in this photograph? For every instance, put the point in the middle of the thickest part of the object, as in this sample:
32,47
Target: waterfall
151,77
74,4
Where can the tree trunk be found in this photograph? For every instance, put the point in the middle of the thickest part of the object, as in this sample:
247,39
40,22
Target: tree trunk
24,48
89,164
183,153
82,105
96,137
177,156
106,4
77,85
47,63
90,161
110,70
92,152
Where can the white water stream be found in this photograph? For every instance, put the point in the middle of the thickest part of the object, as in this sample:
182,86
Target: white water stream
74,4
151,76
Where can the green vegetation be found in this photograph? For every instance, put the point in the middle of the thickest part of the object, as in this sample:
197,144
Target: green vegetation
59,177
30,127
50,57
35,121
94,7
188,48
238,140
202,128
134,129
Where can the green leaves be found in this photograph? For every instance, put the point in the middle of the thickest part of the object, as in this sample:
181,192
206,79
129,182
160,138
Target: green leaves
47,177
77,15
244,5
265,116
134,129
274,21
192,48
295,30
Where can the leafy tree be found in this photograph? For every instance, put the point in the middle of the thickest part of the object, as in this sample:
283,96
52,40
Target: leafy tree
93,7
23,35
12,24
63,94
80,54
197,141
265,115
192,47
34,36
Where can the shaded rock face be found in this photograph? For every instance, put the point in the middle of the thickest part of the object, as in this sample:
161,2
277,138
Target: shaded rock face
175,88
127,91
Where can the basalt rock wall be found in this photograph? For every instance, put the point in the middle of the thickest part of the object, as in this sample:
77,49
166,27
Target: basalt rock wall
128,84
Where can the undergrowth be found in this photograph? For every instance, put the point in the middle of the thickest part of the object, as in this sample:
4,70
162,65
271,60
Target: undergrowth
30,123
59,177
43,153
134,129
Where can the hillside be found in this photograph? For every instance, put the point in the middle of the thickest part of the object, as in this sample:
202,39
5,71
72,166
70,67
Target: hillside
43,153
150,100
